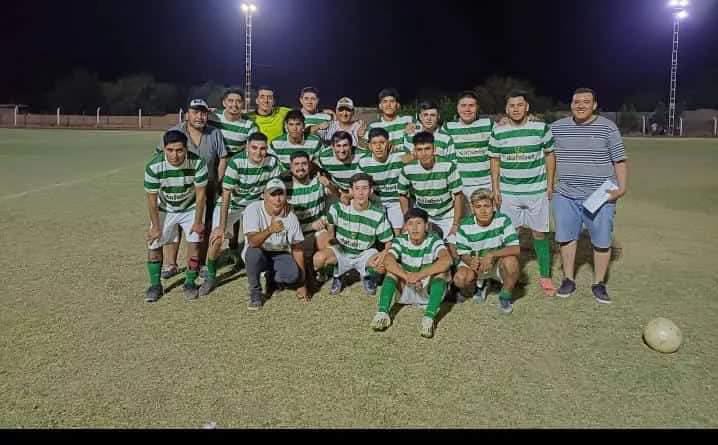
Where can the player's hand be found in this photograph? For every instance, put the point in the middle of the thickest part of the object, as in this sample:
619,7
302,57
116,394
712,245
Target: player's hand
331,113
410,129
276,226
314,129
362,128
217,235
323,126
414,278
486,263
319,224
615,195
303,294
454,228
549,192
153,234
323,180
198,229
345,197
407,158
503,120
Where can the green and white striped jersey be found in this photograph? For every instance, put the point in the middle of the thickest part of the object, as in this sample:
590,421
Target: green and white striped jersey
521,151
234,133
307,200
340,172
247,180
413,258
395,128
474,239
282,148
316,119
443,144
358,230
433,189
175,186
471,146
385,175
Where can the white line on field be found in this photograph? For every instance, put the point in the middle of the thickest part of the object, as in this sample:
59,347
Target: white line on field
59,184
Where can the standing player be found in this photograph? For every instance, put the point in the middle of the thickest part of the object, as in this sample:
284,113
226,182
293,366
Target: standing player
175,182
294,140
230,121
471,144
522,173
430,121
417,266
390,120
314,120
269,119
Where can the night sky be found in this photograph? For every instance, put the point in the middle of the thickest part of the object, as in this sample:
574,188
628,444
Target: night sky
352,47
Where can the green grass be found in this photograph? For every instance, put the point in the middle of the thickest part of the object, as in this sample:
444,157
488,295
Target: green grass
80,348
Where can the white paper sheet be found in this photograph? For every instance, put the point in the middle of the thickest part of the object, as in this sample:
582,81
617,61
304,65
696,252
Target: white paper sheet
600,196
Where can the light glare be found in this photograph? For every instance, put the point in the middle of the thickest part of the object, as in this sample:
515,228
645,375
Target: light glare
682,15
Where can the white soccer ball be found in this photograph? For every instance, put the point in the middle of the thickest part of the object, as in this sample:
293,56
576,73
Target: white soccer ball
662,335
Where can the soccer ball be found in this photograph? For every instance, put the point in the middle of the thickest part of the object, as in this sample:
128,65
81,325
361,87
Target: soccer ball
662,335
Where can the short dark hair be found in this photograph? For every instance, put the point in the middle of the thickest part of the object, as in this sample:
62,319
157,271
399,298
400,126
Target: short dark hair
375,132
361,177
233,90
416,213
517,93
294,115
586,91
342,135
174,136
298,154
308,90
389,92
427,105
423,137
468,94
264,87
258,136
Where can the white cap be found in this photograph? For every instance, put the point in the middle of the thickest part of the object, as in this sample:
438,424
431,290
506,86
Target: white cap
198,104
275,184
346,103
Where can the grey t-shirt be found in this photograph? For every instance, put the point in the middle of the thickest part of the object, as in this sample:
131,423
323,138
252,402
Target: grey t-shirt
255,219
211,148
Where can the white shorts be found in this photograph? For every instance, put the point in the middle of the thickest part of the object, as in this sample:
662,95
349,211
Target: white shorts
394,215
233,216
494,274
442,227
170,223
345,262
416,295
527,211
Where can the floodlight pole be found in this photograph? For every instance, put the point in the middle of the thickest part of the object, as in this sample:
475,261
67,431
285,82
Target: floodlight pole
247,57
98,116
17,109
674,76
58,116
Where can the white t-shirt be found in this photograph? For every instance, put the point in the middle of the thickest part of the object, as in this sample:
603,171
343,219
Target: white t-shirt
255,219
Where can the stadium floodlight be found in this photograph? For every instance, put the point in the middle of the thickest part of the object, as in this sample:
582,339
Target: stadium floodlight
680,12
249,9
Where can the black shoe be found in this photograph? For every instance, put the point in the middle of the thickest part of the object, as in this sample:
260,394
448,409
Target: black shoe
154,293
191,292
207,287
568,287
600,293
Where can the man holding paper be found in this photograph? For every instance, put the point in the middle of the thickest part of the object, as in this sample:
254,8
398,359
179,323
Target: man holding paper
592,172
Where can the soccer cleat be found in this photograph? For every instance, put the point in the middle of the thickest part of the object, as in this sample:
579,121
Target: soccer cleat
547,286
207,287
482,290
203,272
505,307
381,321
600,293
254,304
427,327
568,287
336,286
369,286
191,292
154,293
169,271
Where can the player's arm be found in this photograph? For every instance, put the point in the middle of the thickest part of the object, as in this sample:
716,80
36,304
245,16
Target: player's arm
550,173
441,265
393,267
154,211
298,256
621,168
256,239
222,168
458,212
200,205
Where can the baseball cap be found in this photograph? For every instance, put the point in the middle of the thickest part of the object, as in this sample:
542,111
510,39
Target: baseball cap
345,102
275,184
198,104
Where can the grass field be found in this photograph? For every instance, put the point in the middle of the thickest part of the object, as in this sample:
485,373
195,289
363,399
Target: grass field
80,348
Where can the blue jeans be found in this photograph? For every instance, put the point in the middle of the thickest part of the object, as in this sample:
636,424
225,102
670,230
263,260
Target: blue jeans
280,267
570,217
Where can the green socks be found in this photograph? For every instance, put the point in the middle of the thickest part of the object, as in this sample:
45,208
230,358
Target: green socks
191,277
154,269
505,295
211,269
437,290
542,247
388,289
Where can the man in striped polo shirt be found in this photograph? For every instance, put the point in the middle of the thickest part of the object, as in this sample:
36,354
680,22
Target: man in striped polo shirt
471,144
314,120
390,120
435,185
430,121
341,163
269,119
294,140
244,181
417,266
230,121
489,248
356,227
589,152
385,167
307,196
175,182
522,173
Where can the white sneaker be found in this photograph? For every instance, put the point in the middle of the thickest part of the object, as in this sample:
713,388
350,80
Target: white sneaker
427,327
381,321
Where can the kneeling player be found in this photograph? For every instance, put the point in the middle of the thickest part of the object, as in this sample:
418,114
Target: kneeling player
417,266
489,249
175,182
